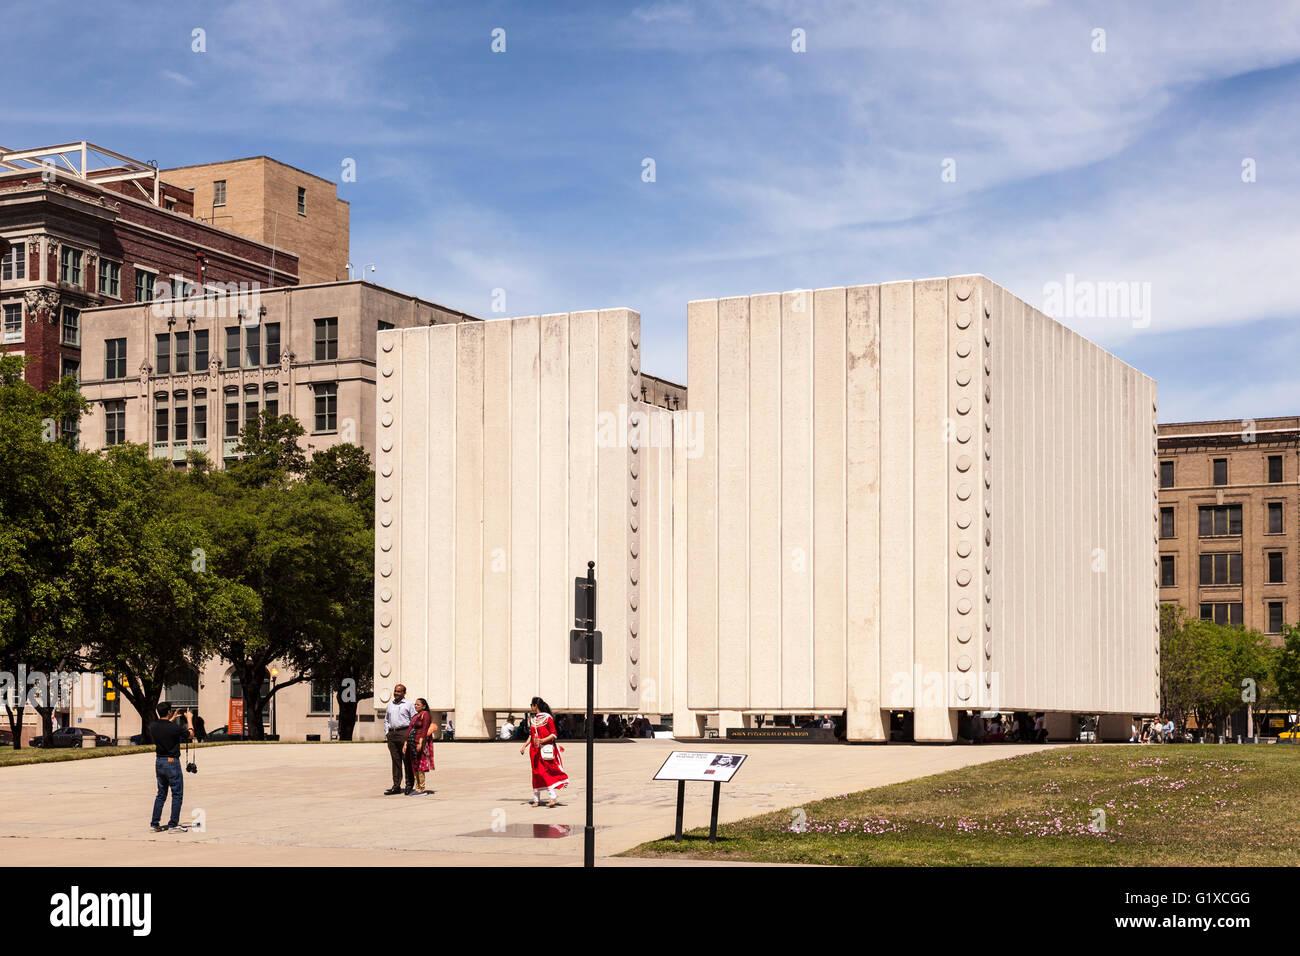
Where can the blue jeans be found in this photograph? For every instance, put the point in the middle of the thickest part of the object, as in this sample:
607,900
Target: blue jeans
169,774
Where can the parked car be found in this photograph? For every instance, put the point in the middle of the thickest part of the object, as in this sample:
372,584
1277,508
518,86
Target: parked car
1291,736
73,737
223,733
6,738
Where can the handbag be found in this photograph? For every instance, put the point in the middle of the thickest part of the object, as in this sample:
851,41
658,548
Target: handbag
548,751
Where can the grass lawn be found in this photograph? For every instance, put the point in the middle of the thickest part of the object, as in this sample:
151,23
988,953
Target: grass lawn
1168,805
12,758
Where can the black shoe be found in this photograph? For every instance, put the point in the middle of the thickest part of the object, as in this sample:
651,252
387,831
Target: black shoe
156,828
408,791
389,793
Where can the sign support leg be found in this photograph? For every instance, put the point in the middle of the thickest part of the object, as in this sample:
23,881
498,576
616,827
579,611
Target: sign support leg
589,831
681,806
713,817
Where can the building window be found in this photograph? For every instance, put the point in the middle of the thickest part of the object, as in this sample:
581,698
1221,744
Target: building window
1221,568
160,422
250,406
252,347
181,427
1229,614
219,193
1275,517
70,367
200,416
327,397
1166,474
13,322
1274,469
302,200
232,346
273,343
1220,520
70,266
14,265
1167,523
385,326
1274,559
1274,617
115,422
1220,471
327,339
320,697
71,326
201,350
1166,570
110,278
182,351
162,354
271,398
115,358
232,417
144,283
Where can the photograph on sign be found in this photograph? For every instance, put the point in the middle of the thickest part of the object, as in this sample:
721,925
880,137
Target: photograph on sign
693,765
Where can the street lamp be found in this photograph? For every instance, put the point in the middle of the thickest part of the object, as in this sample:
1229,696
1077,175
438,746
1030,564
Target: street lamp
275,672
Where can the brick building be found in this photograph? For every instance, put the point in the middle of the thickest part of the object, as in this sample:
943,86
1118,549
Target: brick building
1229,503
277,204
89,227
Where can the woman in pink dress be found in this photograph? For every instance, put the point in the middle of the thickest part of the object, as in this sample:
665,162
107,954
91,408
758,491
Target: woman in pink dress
418,748
544,754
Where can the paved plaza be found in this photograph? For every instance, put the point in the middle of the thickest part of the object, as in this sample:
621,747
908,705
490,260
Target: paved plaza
323,804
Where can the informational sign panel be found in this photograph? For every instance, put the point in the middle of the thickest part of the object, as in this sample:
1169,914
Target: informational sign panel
692,765
585,646
236,722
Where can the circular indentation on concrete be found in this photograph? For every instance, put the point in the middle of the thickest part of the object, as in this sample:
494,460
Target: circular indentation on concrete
963,690
632,602
385,669
634,468
986,310
963,377
988,536
988,678
963,491
988,394
963,349
988,423
988,479
963,434
631,682
385,694
988,508
385,619
386,471
385,595
387,419
388,395
963,606
988,625
963,634
963,548
963,320
386,570
963,520
388,345
386,544
964,663
386,495
988,593
988,338
963,406
634,549
633,523
386,520
385,644
963,462
634,336
387,446
631,629
632,656
988,565
963,577
988,365
388,370
633,497
962,290
988,648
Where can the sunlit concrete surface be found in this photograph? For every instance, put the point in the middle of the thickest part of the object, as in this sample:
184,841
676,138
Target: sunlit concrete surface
323,804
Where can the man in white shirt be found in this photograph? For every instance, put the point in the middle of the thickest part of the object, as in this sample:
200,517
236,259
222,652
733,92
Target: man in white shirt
397,723
508,728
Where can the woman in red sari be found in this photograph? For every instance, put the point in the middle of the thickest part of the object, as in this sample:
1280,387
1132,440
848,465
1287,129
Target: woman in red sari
544,754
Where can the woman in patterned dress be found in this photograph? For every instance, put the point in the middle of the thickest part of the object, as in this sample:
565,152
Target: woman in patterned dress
544,754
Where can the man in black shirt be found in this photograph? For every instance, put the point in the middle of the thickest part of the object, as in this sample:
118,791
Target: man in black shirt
167,737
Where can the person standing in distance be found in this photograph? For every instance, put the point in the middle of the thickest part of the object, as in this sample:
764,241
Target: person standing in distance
397,723
167,737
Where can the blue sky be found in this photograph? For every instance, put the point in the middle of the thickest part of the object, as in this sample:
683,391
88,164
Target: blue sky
774,169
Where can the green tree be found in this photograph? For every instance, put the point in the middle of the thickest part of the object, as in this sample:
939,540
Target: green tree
1286,668
270,451
346,468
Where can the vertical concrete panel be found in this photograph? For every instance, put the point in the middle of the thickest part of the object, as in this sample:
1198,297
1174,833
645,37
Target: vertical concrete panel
830,366
702,530
583,405
733,503
765,501
528,642
408,513
439,588
615,599
896,492
798,566
930,501
469,532
497,547
686,435
862,517
556,570
963,434
389,646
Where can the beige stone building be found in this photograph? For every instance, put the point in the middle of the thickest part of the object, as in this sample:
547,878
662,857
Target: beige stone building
1229,538
186,375
925,497
277,204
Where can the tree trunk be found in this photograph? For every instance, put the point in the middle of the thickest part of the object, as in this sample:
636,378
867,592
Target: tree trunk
15,716
47,724
347,713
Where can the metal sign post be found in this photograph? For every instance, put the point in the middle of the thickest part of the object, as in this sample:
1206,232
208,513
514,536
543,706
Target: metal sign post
584,647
